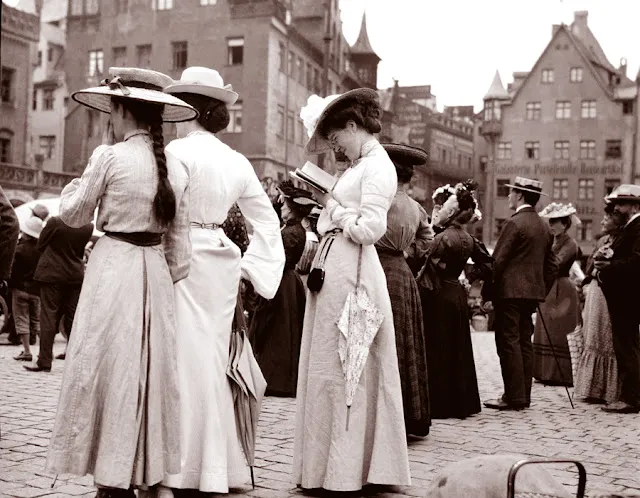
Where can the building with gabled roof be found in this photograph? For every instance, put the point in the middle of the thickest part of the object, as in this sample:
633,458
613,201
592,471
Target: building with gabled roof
570,121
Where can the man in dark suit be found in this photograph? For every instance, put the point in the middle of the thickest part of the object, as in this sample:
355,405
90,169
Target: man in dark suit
619,278
60,273
524,270
9,232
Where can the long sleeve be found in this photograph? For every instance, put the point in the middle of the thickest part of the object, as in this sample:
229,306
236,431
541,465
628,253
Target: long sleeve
263,263
79,199
424,237
368,223
504,247
177,241
9,232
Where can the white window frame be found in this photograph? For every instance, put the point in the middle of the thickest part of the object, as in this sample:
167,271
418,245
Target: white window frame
162,4
588,109
235,118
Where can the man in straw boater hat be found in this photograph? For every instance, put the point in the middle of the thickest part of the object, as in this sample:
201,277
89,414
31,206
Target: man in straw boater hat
524,271
618,277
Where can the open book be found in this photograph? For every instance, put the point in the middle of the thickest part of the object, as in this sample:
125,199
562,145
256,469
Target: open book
315,177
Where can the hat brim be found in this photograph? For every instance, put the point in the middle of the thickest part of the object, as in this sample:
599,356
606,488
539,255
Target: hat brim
227,96
99,98
318,144
519,187
622,198
406,154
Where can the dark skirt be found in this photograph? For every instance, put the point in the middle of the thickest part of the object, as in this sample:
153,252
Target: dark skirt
410,346
560,312
276,332
453,385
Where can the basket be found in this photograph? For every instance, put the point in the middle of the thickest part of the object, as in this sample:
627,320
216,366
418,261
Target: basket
511,479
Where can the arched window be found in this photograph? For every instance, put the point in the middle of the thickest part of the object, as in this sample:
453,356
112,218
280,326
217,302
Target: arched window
6,139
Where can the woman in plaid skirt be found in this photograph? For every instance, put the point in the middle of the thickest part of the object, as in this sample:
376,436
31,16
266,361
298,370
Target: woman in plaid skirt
408,234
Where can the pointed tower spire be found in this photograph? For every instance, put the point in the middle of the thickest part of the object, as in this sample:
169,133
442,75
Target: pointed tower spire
363,45
497,90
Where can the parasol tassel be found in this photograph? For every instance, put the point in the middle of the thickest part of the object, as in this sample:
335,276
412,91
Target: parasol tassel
54,481
253,481
348,413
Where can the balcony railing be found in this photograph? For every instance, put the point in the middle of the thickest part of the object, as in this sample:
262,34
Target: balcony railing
22,177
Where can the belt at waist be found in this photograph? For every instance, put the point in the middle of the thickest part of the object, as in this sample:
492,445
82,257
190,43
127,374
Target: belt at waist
390,252
206,226
143,239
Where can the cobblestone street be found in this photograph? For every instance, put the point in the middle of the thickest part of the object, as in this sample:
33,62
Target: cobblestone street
608,444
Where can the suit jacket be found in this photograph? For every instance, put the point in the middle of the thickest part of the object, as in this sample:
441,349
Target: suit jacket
9,232
620,279
62,249
525,266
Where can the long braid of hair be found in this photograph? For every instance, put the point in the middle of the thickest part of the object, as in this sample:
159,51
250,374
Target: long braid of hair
164,203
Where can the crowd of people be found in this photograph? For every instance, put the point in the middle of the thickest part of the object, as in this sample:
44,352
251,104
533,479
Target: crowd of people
353,295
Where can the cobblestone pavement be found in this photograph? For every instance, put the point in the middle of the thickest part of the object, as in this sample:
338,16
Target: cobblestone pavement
608,444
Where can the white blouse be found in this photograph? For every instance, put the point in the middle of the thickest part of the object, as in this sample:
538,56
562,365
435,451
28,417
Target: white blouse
121,180
220,176
361,198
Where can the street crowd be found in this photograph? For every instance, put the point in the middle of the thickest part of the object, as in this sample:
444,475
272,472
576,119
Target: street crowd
347,297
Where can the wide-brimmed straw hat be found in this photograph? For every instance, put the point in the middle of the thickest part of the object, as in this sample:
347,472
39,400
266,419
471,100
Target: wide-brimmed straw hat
33,227
134,83
203,81
624,193
406,155
557,210
333,103
527,185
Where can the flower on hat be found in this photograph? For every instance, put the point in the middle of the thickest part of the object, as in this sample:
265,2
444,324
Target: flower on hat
310,114
441,194
463,193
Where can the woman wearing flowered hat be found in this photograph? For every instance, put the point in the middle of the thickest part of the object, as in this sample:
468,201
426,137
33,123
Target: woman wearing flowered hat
374,449
276,324
118,405
212,457
561,308
453,385
407,232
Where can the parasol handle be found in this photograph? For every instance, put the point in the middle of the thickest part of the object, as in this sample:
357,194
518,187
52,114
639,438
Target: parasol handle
359,267
348,413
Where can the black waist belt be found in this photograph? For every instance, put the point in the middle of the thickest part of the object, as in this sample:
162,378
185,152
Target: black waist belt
390,252
143,239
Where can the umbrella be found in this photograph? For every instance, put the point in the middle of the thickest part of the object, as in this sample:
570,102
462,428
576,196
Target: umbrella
25,211
359,323
247,386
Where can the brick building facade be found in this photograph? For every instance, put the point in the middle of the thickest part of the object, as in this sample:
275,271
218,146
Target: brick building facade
271,51
569,122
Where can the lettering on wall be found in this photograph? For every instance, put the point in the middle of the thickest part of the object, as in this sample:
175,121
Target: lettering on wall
559,169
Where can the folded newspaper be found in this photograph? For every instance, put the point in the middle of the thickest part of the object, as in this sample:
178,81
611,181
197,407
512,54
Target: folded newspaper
315,177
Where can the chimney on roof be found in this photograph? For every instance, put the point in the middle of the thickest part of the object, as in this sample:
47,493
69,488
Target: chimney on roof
580,25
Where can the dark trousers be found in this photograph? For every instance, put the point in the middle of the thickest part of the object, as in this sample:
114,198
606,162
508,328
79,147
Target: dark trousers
626,344
513,329
56,301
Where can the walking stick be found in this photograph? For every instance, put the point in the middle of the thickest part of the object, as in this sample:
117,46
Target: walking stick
544,326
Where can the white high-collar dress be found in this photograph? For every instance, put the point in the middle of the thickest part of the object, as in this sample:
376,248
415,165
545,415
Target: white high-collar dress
211,456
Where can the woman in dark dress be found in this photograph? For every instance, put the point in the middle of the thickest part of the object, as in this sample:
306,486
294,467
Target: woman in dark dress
561,308
276,325
453,386
407,232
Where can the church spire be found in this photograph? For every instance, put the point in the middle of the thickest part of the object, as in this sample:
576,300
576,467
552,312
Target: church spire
363,45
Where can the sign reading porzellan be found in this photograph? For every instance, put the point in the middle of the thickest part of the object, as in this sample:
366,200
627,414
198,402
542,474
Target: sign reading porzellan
558,169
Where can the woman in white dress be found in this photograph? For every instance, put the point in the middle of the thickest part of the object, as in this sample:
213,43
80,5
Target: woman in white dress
212,458
374,448
117,411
